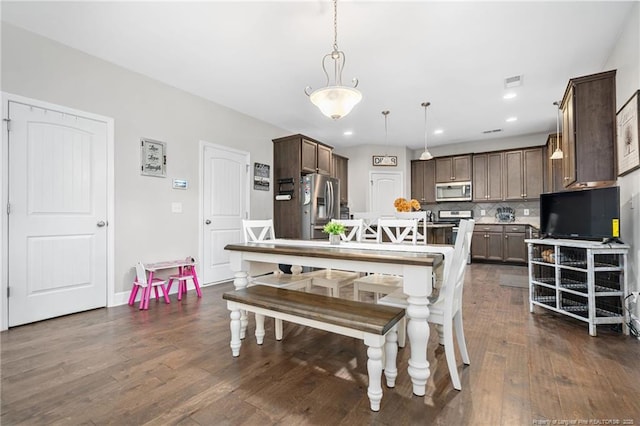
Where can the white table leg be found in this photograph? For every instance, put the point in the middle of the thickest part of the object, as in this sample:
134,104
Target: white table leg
235,331
374,367
259,328
391,353
278,327
240,281
418,331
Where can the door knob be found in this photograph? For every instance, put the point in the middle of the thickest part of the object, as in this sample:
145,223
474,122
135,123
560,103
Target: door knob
101,224
207,222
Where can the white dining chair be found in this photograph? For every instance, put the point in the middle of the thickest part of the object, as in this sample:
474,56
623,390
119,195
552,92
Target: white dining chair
446,310
332,279
397,231
421,217
369,221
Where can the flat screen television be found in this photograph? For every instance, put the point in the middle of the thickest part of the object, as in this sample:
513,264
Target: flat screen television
588,214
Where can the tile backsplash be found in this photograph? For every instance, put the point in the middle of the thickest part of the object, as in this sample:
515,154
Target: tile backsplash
490,209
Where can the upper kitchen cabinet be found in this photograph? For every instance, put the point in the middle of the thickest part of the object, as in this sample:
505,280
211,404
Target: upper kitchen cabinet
553,181
453,169
316,157
588,132
423,181
487,177
522,174
340,170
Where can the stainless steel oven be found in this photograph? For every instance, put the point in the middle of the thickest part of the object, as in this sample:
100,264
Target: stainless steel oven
453,217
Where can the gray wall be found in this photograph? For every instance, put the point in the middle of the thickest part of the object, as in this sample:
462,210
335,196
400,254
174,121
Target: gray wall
625,57
145,228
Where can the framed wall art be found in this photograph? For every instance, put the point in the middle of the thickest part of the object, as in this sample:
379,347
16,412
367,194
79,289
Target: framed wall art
628,123
153,158
385,160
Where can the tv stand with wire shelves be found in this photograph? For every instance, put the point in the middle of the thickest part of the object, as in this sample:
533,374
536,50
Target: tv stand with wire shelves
585,280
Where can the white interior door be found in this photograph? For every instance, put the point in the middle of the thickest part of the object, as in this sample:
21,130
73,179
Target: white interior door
57,240
225,203
385,188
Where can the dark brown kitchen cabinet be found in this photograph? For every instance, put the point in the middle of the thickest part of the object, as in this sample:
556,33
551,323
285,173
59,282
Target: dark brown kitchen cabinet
423,176
294,156
522,174
316,157
515,250
588,131
553,181
340,170
487,177
453,169
486,242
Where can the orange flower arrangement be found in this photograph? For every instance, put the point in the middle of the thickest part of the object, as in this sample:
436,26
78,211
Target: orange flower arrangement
404,205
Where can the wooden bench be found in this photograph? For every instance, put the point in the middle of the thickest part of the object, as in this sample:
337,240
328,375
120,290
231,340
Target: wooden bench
376,325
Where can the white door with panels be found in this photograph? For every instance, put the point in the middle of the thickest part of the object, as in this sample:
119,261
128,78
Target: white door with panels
385,188
225,203
57,243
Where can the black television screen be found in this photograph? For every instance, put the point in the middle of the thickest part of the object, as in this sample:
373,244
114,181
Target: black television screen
589,214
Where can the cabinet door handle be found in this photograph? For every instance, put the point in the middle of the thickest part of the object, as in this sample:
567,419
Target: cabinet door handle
506,237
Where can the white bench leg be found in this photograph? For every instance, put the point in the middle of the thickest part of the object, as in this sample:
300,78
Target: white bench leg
391,353
259,328
240,281
278,327
235,332
374,367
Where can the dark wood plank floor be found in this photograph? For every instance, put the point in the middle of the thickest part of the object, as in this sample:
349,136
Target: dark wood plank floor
173,365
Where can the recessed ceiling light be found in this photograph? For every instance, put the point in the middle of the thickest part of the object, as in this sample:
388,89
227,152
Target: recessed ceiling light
510,95
438,132
348,133
512,119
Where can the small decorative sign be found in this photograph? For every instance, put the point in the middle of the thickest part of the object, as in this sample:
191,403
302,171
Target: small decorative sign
628,123
261,176
153,158
385,160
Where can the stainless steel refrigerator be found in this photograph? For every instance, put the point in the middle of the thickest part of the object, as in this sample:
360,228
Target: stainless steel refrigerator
320,197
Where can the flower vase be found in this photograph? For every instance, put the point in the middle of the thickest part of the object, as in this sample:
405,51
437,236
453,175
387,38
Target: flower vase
334,239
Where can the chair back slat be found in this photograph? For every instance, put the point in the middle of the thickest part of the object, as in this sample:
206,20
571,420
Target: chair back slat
141,275
421,232
368,222
258,230
452,287
353,229
397,230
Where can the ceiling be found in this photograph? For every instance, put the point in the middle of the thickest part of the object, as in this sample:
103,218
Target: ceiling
257,58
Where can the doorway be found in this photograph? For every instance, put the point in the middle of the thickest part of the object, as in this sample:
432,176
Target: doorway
385,188
59,194
224,204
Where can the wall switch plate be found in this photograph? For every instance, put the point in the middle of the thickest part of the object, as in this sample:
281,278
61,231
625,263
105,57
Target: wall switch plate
526,212
483,212
176,207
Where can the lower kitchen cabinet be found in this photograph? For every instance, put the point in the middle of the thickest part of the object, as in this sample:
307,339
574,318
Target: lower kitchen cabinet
499,243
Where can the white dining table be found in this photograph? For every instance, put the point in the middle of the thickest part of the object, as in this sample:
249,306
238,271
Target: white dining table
415,263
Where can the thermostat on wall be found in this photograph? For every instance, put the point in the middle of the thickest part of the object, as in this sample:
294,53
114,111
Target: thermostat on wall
180,184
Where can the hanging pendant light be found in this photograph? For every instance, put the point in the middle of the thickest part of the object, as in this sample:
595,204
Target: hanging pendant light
557,154
335,100
426,155
386,160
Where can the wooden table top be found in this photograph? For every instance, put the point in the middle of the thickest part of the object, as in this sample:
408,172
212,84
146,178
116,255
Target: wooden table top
402,255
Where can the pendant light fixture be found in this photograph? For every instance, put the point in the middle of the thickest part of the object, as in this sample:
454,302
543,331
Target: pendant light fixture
386,160
426,155
557,154
335,100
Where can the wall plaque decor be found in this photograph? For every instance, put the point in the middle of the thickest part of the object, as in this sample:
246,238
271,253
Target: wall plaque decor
153,158
628,123
385,160
261,176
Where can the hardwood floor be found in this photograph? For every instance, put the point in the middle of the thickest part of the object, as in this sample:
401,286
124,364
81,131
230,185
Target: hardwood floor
173,365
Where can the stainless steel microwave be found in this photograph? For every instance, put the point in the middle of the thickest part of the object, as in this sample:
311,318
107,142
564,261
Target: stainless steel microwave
453,191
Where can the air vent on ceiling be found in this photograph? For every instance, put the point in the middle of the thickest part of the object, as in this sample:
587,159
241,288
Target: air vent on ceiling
514,81
492,131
